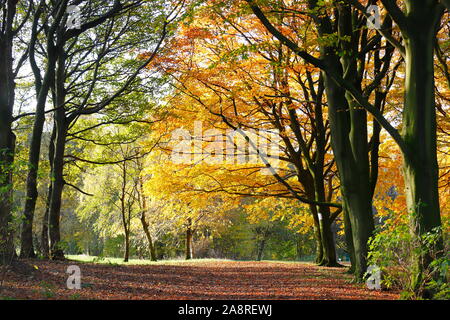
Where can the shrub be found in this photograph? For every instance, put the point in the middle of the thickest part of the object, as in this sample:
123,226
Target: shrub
395,250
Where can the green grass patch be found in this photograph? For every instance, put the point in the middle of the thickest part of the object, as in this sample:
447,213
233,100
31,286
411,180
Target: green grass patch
119,261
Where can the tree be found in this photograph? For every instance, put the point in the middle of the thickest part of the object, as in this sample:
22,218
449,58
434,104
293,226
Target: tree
8,72
83,61
144,209
116,195
279,95
342,58
56,37
418,26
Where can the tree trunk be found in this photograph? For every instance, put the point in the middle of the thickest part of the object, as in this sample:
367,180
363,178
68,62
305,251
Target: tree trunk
143,219
321,251
324,221
354,165
261,246
328,244
348,126
56,252
57,178
349,143
419,128
149,238
7,143
189,234
317,233
45,248
7,137
26,245
126,256
349,241
318,238
123,212
44,235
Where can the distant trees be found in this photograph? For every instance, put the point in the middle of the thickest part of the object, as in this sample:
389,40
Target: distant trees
116,198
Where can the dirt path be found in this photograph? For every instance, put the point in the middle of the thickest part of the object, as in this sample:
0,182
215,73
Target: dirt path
196,280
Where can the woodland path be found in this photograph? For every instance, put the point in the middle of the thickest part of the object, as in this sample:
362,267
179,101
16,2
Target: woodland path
217,279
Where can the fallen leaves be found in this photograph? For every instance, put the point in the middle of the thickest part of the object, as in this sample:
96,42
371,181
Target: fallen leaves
189,280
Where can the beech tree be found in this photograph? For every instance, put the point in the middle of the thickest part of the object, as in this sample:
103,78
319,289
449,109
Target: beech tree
83,60
11,24
290,101
418,25
52,21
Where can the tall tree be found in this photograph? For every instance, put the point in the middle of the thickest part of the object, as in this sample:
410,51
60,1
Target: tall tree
343,61
9,28
50,19
81,55
418,25
43,83
276,94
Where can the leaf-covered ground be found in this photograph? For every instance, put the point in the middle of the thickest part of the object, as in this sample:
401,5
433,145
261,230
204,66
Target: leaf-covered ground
211,279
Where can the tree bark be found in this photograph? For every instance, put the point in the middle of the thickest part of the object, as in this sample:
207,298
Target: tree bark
61,125
261,246
348,137
326,248
349,241
328,243
144,222
149,238
44,234
42,90
357,187
318,238
7,137
420,165
189,234
45,248
126,255
56,251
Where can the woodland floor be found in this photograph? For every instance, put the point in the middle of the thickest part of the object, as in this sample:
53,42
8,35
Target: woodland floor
177,280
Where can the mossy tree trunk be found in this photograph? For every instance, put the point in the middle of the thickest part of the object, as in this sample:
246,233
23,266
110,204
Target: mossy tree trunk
353,171
419,27
43,86
7,137
45,247
56,251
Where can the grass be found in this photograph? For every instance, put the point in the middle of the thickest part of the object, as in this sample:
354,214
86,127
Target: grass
119,261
